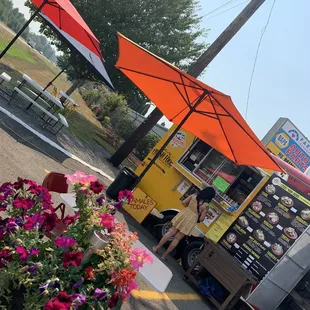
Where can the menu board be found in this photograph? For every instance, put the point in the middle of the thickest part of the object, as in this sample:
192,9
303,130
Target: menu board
268,227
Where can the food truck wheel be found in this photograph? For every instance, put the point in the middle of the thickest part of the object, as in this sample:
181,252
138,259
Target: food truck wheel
191,253
162,229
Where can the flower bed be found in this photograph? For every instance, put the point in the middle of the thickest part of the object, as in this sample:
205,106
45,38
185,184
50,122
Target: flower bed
92,265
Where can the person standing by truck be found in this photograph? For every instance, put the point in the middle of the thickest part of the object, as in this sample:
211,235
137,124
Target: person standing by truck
183,223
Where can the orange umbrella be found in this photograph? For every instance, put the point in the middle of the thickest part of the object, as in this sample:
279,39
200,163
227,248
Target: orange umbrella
194,106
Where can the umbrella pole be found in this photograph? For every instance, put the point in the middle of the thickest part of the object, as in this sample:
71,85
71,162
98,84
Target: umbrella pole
56,77
48,85
23,28
148,167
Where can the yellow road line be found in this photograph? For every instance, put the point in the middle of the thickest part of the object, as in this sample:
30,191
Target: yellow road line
151,295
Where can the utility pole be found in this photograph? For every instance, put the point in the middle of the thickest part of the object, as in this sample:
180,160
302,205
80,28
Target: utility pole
195,70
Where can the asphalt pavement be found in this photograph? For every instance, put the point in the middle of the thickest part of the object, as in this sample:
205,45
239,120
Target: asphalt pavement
22,154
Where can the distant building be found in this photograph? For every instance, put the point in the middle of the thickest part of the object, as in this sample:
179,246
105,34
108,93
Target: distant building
137,118
287,142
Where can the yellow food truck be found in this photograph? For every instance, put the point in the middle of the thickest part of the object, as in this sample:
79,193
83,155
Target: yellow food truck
187,165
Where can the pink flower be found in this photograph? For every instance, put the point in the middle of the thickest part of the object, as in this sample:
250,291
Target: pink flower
126,291
80,177
23,203
139,257
125,195
24,254
107,221
65,242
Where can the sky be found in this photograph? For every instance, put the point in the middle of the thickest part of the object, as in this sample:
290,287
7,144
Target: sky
282,75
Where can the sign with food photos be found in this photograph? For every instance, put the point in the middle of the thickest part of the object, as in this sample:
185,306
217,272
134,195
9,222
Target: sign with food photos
268,227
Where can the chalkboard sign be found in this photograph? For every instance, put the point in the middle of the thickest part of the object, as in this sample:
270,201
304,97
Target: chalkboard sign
268,227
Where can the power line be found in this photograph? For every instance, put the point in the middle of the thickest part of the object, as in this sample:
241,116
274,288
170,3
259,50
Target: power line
221,6
228,9
256,57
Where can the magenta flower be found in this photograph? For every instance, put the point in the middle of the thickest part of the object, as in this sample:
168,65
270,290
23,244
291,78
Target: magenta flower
100,294
23,203
107,221
68,220
139,257
78,300
3,204
80,177
33,222
50,220
65,242
24,254
125,195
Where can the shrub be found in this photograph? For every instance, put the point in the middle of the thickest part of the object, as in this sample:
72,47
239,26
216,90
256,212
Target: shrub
144,146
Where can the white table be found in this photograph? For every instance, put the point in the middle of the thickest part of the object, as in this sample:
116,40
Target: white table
37,87
68,98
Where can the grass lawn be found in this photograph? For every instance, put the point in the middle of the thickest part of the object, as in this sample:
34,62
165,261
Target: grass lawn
17,52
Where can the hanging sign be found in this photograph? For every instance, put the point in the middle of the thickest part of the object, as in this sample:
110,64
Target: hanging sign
140,206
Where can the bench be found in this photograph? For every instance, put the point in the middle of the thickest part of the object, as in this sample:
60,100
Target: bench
35,94
4,77
25,96
63,121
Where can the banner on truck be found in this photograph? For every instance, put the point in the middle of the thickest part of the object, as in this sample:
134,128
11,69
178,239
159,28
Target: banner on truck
289,144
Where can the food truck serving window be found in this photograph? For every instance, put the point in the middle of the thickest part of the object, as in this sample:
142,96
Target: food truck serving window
207,163
210,166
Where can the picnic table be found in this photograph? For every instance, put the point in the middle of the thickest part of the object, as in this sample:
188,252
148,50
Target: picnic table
39,90
68,99
52,103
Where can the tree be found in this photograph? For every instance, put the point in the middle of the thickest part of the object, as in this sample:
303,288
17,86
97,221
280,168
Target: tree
168,28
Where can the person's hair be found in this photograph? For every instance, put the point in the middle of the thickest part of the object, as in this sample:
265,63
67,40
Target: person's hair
206,195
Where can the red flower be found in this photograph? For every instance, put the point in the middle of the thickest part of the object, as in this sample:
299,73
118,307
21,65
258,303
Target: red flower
107,221
113,301
61,302
23,203
125,195
5,255
96,187
68,220
72,258
50,220
123,277
89,273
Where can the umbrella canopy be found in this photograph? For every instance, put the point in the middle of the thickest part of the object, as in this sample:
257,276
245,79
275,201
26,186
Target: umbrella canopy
65,16
198,108
89,55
